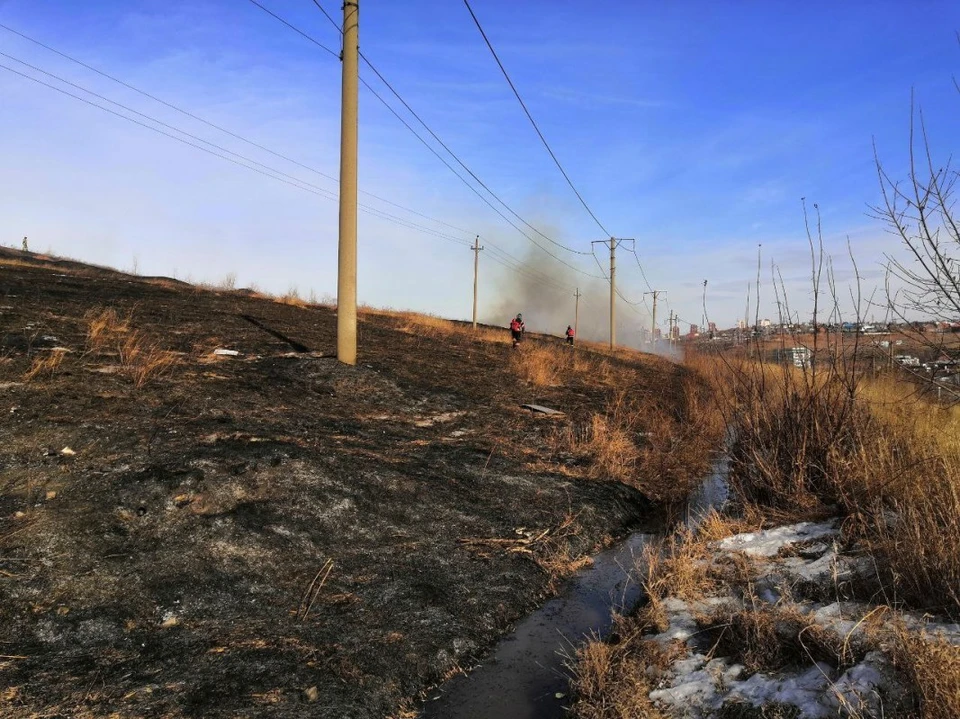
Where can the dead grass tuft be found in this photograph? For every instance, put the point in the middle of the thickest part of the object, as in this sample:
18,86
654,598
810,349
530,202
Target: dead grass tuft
768,639
144,359
612,681
45,365
291,297
933,668
103,327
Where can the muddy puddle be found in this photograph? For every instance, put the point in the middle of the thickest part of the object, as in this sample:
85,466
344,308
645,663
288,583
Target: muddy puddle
526,676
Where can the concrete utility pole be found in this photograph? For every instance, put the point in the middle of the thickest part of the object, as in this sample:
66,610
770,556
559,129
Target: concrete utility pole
613,290
476,273
576,315
670,329
347,251
614,242
653,322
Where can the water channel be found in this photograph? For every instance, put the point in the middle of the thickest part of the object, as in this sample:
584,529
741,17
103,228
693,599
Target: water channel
526,675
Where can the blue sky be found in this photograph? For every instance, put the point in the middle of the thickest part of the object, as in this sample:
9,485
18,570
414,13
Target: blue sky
694,127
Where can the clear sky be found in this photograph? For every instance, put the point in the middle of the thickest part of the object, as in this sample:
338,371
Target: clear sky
694,127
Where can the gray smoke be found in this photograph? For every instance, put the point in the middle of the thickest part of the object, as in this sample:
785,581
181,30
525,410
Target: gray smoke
535,292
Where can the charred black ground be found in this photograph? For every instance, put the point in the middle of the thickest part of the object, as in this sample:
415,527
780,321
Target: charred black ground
165,568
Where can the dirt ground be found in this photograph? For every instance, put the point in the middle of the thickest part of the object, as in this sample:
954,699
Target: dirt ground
270,534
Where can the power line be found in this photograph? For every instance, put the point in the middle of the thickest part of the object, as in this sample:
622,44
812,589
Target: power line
532,121
202,120
507,261
442,143
296,29
465,182
632,305
642,273
328,16
221,153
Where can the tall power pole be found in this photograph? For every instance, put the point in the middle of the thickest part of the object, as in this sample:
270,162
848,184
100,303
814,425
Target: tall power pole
613,290
614,242
576,314
476,274
347,250
653,321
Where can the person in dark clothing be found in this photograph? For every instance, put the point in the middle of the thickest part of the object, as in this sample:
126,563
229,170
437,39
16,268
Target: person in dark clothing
570,334
517,329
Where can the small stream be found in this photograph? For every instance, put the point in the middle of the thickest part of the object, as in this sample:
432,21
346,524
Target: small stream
525,677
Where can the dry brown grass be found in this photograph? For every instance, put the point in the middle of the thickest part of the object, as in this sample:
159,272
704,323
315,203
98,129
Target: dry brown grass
612,681
291,297
551,548
145,359
140,357
45,366
103,328
767,638
809,445
933,668
542,366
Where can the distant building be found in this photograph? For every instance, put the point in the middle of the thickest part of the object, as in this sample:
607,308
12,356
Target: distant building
741,324
765,323
694,331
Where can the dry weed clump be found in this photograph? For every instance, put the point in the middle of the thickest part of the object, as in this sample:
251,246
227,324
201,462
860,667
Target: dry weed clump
291,297
140,357
611,681
811,445
45,365
932,666
144,359
542,366
768,638
551,549
103,326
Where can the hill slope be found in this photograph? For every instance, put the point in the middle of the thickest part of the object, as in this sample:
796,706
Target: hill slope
190,534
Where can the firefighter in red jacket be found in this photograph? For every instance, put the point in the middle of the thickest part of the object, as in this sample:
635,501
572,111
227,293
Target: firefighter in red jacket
517,328
570,334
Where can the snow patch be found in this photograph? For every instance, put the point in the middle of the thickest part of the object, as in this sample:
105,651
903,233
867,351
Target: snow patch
768,543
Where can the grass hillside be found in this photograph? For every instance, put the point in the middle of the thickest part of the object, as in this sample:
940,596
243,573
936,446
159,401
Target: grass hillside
187,533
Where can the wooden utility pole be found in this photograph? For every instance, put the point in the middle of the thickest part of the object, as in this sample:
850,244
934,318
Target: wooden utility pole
670,329
614,242
576,315
476,274
347,250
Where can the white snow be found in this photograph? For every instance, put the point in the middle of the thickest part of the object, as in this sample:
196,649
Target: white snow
769,542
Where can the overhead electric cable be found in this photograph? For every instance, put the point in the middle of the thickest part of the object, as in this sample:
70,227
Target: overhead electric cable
296,29
441,142
219,152
471,187
215,126
532,121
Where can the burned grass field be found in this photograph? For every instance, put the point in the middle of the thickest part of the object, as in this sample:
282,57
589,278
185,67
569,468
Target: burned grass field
191,533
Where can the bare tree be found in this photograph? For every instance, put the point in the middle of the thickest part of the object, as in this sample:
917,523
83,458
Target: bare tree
921,211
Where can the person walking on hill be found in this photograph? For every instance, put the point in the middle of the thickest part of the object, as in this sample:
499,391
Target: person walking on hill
517,329
569,335
25,245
